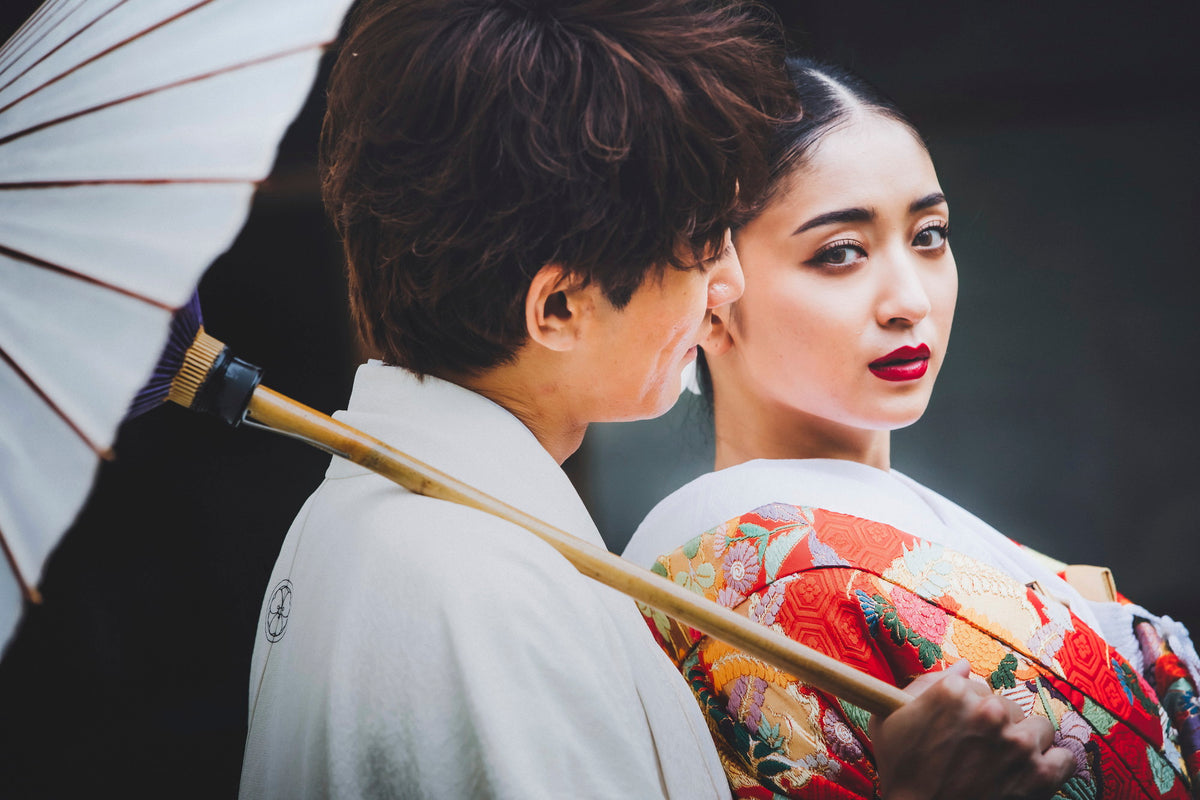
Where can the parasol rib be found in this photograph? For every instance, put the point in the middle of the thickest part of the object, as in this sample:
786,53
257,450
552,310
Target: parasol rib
27,588
70,273
102,452
33,26
122,182
173,85
56,48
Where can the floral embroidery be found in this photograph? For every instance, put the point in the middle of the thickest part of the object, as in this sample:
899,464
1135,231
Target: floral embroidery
895,606
740,567
1072,734
841,740
729,597
926,620
823,555
889,618
931,570
746,698
1046,641
870,610
770,734
764,608
696,578
782,512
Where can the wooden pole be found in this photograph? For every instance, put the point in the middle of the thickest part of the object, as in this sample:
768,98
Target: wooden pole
280,413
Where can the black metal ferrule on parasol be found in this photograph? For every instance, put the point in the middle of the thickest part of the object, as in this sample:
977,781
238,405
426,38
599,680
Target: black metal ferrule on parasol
226,390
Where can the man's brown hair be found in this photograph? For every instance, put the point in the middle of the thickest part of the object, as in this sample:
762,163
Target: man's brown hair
468,143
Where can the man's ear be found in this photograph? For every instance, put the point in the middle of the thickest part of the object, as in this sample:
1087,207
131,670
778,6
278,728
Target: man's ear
552,309
719,339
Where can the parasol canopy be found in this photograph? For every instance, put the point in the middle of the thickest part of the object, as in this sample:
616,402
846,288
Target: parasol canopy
132,136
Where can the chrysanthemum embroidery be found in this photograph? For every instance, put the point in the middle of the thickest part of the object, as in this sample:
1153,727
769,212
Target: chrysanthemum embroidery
740,567
841,739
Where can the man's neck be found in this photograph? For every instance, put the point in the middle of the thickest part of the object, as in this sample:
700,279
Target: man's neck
537,397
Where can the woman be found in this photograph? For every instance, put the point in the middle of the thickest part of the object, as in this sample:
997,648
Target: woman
837,340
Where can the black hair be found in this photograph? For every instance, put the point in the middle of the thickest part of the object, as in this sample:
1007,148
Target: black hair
829,97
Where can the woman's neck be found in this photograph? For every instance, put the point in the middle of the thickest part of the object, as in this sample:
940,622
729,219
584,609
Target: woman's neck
756,429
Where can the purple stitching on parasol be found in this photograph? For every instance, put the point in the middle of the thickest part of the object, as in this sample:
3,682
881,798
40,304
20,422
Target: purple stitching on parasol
184,325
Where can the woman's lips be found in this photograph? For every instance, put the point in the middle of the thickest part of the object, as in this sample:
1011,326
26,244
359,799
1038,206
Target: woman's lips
902,364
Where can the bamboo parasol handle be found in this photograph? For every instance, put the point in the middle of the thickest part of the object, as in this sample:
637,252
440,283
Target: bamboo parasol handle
282,414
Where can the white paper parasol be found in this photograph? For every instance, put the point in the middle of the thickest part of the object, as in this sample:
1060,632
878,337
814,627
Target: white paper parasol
132,136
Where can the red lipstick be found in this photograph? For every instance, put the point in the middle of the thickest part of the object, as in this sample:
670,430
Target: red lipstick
902,364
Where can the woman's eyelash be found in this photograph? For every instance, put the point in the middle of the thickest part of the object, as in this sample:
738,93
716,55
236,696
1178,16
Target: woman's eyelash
941,227
841,244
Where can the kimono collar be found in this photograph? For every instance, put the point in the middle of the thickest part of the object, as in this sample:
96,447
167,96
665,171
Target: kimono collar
464,435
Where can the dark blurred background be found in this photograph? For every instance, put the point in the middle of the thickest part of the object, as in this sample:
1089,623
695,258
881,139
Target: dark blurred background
1065,136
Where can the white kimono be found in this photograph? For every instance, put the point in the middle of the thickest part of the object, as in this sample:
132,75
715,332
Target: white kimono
410,647
891,498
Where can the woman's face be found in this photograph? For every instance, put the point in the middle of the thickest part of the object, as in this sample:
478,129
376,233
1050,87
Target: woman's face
850,288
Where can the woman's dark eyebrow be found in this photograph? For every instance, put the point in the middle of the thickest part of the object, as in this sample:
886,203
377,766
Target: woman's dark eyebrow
928,201
865,214
833,217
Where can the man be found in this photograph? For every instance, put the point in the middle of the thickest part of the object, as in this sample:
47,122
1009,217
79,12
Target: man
535,200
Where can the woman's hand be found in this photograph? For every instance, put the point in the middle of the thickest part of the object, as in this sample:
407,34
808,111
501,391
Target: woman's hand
958,740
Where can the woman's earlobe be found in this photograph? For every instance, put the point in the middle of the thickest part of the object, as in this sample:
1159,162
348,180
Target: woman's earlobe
550,317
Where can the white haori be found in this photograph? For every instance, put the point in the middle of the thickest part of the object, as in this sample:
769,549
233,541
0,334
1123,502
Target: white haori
433,650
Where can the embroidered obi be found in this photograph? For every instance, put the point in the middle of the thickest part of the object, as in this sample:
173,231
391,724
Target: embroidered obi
895,606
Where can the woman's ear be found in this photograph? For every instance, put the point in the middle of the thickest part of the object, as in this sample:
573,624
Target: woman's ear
552,309
719,339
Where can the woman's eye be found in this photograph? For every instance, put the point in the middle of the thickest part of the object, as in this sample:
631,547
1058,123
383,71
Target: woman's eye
840,255
932,238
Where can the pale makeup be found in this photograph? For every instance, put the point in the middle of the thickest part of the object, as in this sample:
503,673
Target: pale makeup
848,263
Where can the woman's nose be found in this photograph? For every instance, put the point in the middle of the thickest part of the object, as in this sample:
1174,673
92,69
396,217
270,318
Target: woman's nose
725,280
903,297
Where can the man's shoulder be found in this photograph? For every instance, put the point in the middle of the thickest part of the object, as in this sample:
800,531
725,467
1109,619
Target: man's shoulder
405,546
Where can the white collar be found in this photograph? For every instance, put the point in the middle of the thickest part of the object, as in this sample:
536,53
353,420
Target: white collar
465,435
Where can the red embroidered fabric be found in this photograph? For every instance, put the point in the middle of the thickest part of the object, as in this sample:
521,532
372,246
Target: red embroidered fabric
895,607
